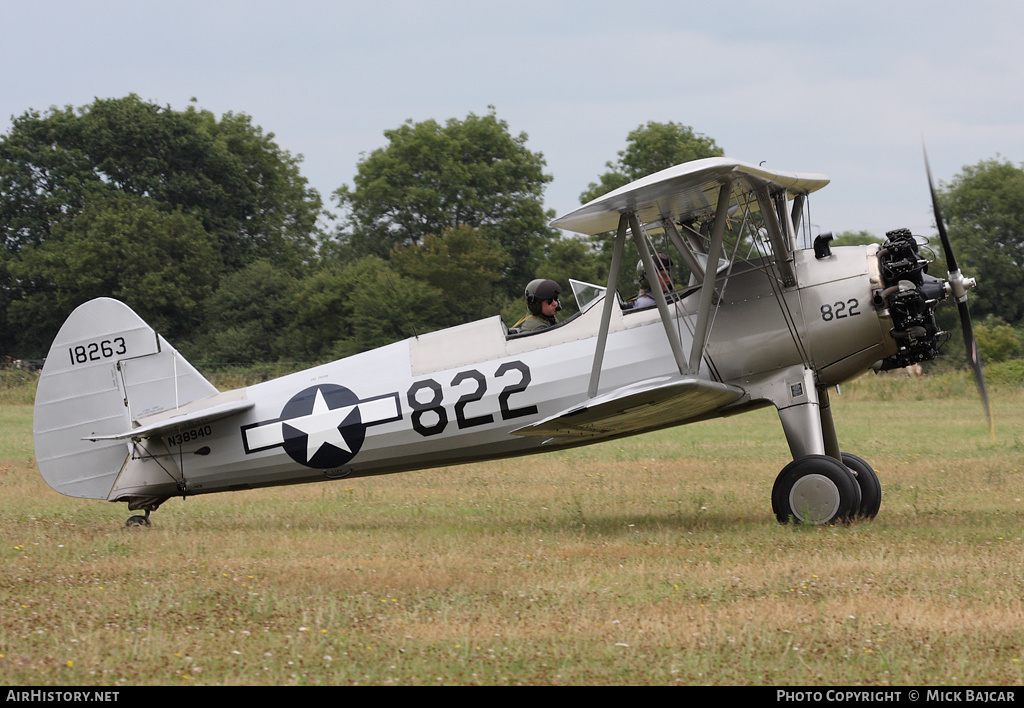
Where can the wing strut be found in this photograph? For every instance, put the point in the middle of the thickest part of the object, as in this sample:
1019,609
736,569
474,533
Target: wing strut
797,213
777,236
609,300
685,250
629,220
707,288
659,296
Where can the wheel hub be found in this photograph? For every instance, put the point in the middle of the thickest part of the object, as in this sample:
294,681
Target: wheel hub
814,498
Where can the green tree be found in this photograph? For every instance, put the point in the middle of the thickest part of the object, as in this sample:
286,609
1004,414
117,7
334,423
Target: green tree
249,318
462,266
110,250
245,190
344,310
983,208
571,258
997,341
431,178
649,148
225,176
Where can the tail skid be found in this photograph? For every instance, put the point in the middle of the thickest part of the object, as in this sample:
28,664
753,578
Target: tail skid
106,370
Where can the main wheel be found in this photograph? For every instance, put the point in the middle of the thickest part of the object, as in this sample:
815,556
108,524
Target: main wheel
870,487
816,489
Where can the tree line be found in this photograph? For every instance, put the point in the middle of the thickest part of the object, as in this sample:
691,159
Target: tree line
208,229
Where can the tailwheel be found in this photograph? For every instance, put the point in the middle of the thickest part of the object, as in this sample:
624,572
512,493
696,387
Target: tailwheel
138,522
816,489
870,487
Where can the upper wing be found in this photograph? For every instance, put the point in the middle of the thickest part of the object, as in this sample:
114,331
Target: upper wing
651,404
681,192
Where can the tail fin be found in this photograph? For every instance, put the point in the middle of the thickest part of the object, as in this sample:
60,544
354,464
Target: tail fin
106,369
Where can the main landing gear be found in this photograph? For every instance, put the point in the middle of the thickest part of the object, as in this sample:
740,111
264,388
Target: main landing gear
822,485
818,489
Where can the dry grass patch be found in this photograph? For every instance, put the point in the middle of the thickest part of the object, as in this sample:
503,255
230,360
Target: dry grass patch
654,560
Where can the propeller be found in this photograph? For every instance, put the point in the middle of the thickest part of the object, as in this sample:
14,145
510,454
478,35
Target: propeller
960,285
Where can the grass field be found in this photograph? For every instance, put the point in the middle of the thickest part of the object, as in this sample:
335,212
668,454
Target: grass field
654,560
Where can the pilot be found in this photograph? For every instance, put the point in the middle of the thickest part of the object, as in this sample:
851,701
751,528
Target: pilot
645,298
542,302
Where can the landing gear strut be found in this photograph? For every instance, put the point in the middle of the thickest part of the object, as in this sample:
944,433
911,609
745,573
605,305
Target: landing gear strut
822,485
146,504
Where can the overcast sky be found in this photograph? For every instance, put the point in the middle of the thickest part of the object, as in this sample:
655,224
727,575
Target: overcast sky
850,90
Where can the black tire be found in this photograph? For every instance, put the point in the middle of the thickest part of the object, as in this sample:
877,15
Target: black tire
870,487
816,489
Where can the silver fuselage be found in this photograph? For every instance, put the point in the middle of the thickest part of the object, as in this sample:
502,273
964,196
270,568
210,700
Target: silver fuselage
457,395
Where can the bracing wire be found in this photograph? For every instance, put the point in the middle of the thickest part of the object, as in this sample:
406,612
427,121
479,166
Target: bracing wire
774,280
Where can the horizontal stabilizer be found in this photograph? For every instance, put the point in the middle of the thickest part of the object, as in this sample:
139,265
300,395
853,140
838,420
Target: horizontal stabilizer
196,413
648,405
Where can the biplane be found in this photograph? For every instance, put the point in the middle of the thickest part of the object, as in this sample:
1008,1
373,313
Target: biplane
758,321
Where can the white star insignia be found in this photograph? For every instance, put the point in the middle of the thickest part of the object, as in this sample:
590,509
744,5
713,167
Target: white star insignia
322,426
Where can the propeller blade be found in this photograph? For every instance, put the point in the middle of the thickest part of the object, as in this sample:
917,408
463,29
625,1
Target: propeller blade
946,246
960,285
974,361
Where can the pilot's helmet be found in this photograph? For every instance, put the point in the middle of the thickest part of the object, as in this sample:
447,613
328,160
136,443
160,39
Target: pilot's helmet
663,261
539,290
